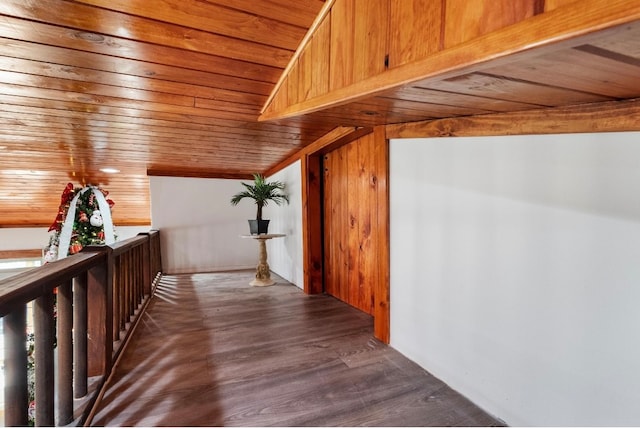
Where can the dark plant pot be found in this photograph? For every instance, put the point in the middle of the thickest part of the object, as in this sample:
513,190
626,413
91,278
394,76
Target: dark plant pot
258,226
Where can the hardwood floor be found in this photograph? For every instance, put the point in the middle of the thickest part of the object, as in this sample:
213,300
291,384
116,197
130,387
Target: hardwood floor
214,351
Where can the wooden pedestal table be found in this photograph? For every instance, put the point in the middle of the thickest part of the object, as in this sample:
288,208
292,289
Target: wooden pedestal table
263,275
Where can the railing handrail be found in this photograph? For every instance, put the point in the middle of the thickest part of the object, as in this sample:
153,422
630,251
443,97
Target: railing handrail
28,285
102,292
120,247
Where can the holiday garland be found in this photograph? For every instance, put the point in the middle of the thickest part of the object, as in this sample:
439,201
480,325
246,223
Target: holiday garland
83,219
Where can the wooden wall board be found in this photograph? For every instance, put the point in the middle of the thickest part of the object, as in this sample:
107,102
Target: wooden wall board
341,53
463,23
370,44
355,207
550,5
415,30
312,228
293,84
320,55
305,70
352,289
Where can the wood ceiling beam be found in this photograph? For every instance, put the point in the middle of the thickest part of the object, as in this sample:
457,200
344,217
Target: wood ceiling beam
610,116
206,174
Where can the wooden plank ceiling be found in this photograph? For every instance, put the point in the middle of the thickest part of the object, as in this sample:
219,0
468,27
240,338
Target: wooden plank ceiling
177,88
170,86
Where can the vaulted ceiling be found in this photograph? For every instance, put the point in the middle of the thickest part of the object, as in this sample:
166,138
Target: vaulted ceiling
178,87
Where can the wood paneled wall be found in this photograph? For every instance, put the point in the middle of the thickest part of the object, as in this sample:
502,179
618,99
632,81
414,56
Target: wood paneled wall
356,226
349,45
360,39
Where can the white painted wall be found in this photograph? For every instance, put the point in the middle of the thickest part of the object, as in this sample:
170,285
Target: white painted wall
515,272
37,238
199,229
285,254
23,238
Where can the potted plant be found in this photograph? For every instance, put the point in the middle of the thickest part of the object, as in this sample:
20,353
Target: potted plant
261,192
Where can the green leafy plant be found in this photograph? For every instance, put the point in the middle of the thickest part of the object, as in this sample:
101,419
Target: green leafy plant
261,192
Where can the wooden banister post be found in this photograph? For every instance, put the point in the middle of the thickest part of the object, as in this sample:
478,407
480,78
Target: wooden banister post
44,334
156,250
147,265
100,314
65,353
80,384
16,394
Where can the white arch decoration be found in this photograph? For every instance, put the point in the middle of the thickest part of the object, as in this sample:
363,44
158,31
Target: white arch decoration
67,226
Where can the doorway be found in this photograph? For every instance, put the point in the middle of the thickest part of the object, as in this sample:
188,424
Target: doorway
347,226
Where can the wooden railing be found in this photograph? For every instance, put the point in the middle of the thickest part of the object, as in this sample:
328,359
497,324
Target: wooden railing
99,295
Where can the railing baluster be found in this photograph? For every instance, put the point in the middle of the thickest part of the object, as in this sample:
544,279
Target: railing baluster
16,393
129,288
156,250
125,286
121,293
65,353
103,289
136,284
132,279
80,335
140,273
116,299
99,294
43,324
146,266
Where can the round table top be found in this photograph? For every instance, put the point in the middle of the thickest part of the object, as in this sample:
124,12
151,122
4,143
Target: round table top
263,236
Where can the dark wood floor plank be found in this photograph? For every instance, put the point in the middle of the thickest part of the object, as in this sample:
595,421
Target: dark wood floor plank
213,351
